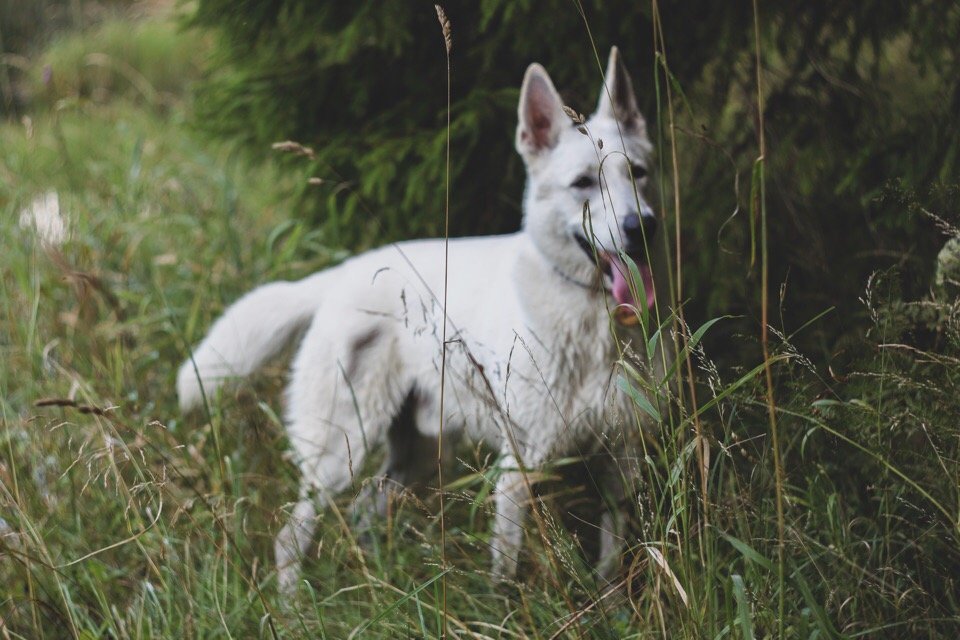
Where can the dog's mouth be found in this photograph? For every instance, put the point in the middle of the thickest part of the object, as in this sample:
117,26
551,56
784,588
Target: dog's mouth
618,271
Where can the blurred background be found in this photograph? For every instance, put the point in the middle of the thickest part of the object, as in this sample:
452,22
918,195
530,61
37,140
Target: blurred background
860,105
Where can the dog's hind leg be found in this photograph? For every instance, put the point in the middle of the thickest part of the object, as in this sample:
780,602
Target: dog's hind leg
411,461
328,463
292,541
337,412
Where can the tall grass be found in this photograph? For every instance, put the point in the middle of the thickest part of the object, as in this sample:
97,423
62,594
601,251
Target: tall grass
120,519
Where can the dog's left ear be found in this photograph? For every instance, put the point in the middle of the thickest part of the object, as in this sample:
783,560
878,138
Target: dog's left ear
616,95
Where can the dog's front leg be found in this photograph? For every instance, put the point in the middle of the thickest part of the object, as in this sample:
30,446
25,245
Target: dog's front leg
512,500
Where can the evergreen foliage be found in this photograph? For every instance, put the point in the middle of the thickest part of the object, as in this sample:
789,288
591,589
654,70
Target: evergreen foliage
857,96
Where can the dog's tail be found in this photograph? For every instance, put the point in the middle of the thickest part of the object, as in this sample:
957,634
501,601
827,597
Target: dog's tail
253,330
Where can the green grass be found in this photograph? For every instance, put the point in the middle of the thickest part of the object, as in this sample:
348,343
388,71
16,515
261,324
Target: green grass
151,61
124,519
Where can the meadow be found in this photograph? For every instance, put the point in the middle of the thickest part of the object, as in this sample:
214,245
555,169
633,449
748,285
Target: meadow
784,494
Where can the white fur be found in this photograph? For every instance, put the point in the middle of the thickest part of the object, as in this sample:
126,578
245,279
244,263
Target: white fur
530,351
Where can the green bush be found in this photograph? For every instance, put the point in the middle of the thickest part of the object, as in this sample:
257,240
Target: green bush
855,96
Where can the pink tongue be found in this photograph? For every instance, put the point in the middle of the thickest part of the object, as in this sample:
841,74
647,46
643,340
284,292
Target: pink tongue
621,283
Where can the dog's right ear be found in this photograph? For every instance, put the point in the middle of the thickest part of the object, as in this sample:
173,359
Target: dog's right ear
541,113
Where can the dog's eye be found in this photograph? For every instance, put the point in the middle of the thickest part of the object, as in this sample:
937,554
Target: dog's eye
584,182
639,171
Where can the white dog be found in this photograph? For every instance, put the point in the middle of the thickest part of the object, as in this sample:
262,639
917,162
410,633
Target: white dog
530,353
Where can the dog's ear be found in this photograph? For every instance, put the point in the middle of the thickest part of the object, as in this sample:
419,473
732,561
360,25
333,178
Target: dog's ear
616,95
541,113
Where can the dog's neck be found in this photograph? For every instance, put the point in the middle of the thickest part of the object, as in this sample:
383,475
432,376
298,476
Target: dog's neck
544,284
588,280
593,287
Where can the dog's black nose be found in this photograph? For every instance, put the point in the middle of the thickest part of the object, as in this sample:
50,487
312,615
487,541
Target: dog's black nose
637,227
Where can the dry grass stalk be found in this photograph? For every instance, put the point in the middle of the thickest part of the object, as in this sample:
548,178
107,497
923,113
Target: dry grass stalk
445,27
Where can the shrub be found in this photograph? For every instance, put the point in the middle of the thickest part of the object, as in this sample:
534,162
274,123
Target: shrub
856,95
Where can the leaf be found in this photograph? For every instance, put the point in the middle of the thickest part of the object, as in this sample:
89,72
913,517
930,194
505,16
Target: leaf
638,398
640,287
699,333
823,620
826,402
276,233
743,607
652,342
694,340
748,552
663,564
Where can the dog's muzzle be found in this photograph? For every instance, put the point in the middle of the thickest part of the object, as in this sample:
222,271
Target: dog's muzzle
638,228
627,287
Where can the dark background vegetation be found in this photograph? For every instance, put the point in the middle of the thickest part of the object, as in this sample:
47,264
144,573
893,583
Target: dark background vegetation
861,111
859,97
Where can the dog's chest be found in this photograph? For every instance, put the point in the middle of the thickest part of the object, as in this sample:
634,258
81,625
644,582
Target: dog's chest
545,391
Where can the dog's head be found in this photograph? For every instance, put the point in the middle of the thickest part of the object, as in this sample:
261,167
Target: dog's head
584,199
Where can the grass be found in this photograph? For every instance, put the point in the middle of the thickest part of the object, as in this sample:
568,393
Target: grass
152,61
123,519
